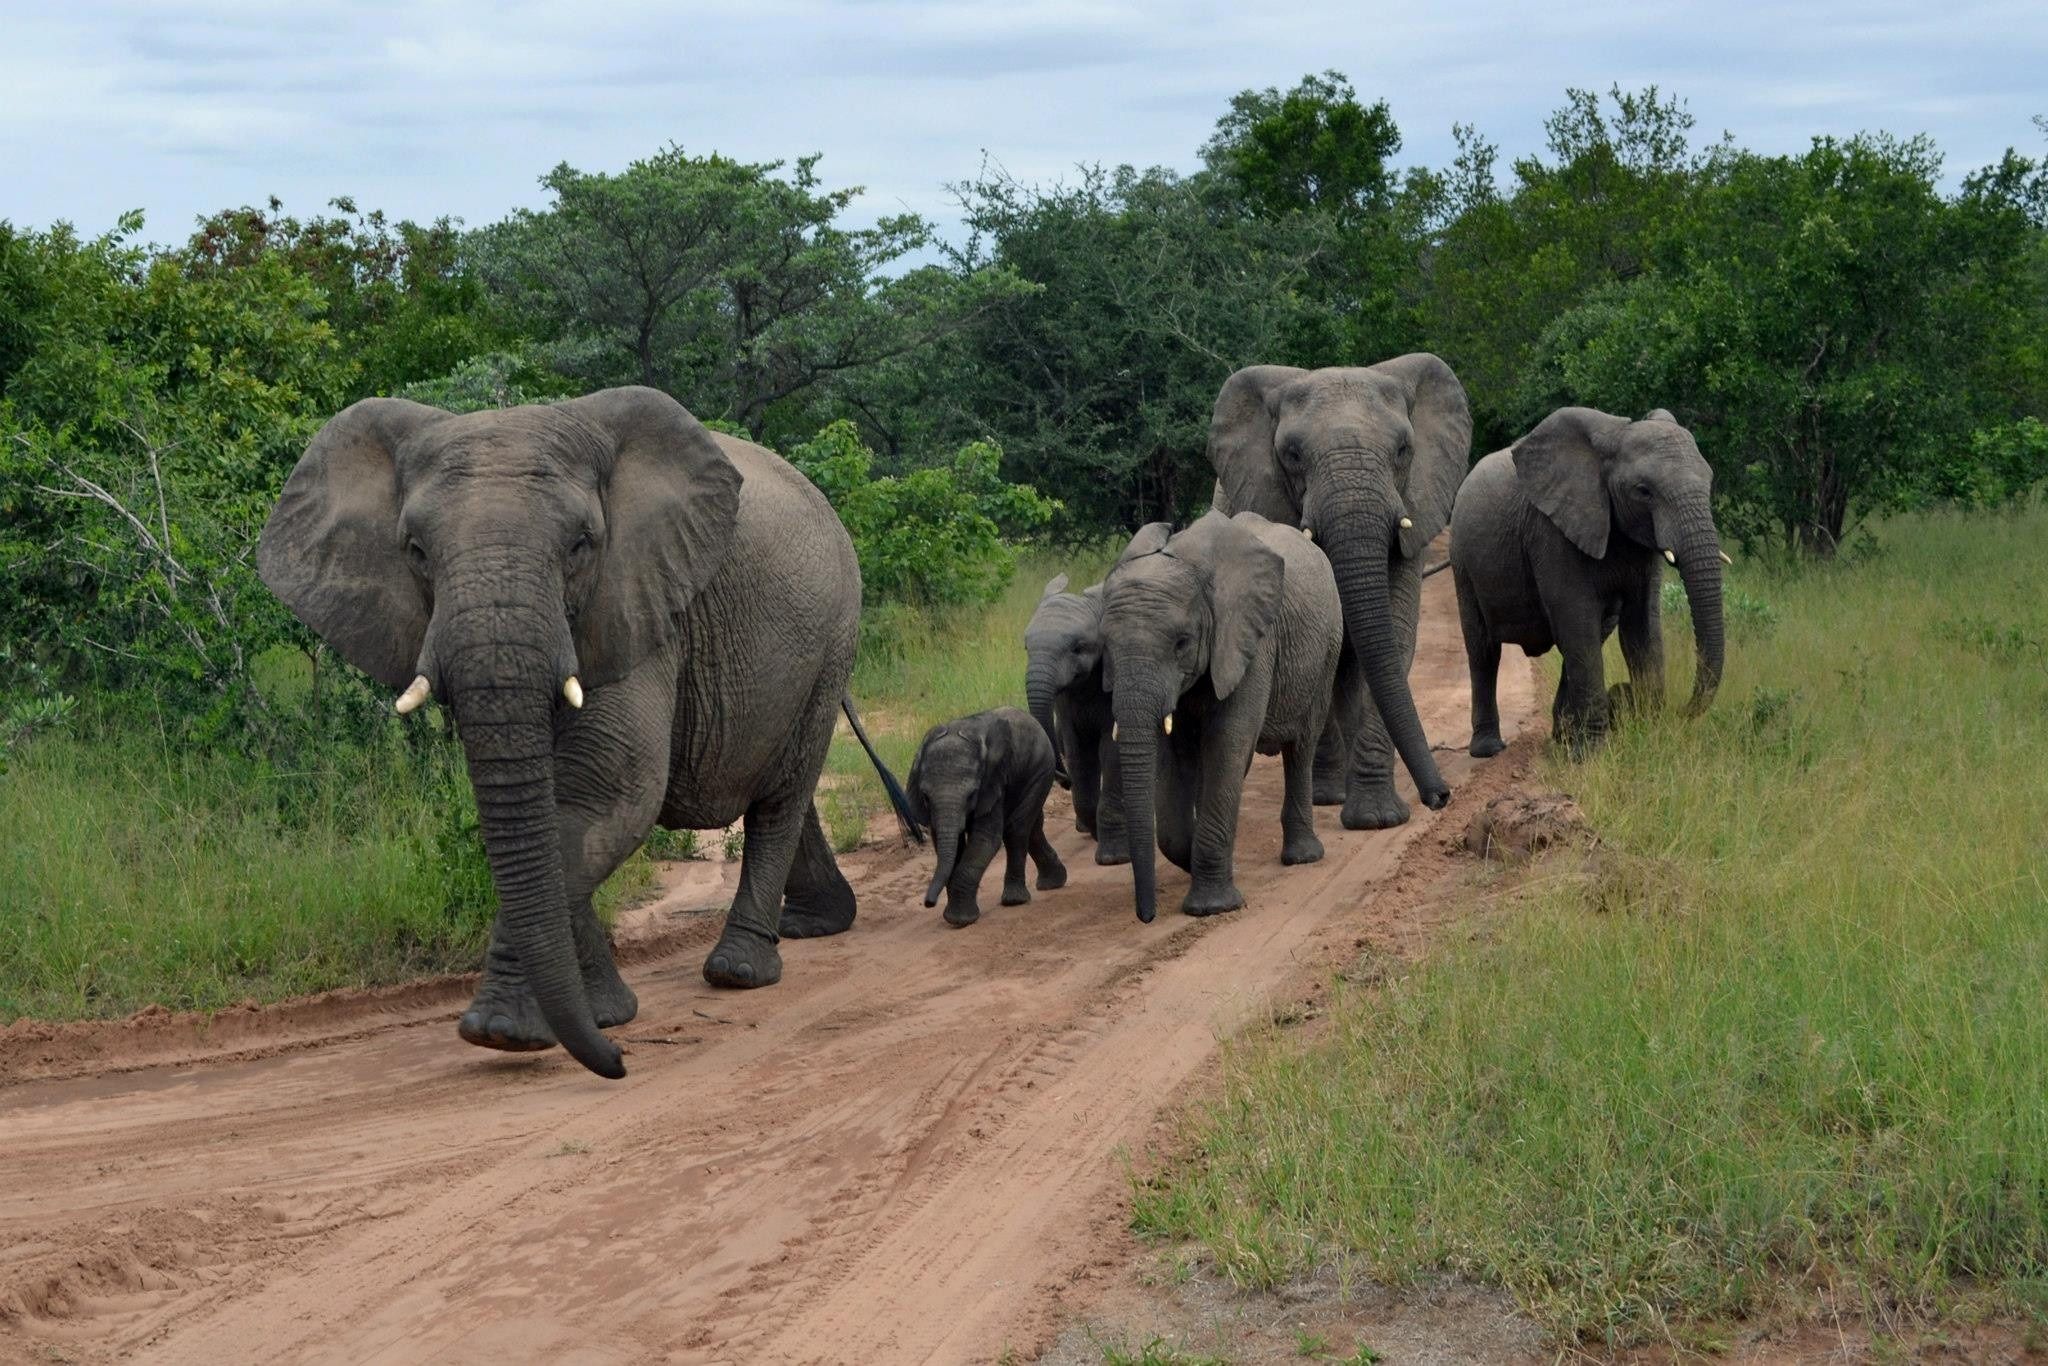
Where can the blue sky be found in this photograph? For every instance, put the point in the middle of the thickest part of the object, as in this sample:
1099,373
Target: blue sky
443,106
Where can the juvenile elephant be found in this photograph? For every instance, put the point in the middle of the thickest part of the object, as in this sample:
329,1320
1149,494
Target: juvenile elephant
980,782
1367,460
1563,537
634,622
1222,639
1063,686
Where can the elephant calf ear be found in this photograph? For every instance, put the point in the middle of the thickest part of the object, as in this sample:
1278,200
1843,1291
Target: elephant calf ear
1560,466
331,550
671,510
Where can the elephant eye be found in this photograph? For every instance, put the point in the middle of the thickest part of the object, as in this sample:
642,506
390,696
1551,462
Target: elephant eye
581,550
416,554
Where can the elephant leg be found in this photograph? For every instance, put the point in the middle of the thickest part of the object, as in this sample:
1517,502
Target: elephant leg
610,773
1642,643
1331,749
1016,852
1482,660
818,900
1297,812
1370,802
963,891
1220,785
1174,804
1112,839
1582,702
1084,770
1052,873
745,955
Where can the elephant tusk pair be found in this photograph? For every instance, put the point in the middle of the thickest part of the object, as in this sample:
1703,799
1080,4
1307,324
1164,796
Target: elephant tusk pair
410,699
572,691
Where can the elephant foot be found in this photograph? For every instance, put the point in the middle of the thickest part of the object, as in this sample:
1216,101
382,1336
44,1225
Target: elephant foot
505,1016
813,917
1083,826
1053,878
1111,851
1016,894
1486,744
1302,848
961,914
1374,806
1212,900
1328,791
743,959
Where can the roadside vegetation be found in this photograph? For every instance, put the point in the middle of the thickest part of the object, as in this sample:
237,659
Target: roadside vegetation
1779,1043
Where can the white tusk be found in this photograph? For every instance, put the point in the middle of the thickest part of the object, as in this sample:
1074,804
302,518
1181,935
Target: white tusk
1724,557
1407,524
1112,730
1670,557
419,692
573,691
1307,535
1169,723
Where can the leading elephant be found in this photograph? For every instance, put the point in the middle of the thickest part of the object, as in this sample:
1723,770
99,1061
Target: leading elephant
1563,538
634,622
1367,460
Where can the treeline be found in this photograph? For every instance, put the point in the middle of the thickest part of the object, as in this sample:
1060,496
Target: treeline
1842,335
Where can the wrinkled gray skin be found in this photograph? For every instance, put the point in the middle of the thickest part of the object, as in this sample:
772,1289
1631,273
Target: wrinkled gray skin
1233,628
1560,539
1347,453
701,590
979,784
1063,687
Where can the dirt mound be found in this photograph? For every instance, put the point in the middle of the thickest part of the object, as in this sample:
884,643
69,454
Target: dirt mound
1519,824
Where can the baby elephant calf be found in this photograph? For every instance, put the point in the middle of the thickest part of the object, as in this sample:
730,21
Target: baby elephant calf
982,781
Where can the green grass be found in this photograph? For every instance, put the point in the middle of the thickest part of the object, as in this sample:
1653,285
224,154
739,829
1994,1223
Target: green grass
923,669
1787,1038
134,873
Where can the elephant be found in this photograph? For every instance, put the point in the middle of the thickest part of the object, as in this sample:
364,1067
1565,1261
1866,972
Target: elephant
1562,538
633,621
1063,688
1232,629
1367,460
981,782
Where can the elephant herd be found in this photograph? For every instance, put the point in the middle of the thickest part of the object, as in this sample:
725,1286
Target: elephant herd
634,621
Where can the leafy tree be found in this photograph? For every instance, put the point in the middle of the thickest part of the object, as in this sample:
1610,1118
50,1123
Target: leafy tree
723,282
1150,290
936,535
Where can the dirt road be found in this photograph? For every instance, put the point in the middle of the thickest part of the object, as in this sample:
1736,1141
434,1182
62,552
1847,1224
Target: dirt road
906,1152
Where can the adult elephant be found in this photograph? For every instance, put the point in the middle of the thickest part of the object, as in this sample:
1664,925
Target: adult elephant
634,622
1367,460
1562,538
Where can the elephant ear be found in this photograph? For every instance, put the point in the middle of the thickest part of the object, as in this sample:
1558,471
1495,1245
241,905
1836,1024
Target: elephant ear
1440,426
992,742
913,787
1560,468
1660,415
331,550
671,509
1248,473
1150,540
1245,581
1054,586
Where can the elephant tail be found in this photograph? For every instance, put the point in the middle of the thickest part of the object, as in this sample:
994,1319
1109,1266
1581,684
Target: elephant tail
1439,567
889,784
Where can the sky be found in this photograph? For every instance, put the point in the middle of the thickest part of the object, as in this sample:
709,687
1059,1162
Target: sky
427,107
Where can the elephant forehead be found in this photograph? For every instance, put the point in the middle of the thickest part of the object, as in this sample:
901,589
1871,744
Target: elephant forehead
1064,617
532,444
1342,387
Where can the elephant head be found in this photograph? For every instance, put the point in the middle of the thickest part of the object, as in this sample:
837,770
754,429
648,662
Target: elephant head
506,562
1368,461
1593,474
948,785
1062,647
1178,611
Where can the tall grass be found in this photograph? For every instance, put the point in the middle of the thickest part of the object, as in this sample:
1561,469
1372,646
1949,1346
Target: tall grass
1788,1035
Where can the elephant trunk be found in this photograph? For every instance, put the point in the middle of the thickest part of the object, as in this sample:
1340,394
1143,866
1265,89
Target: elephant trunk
1038,693
1139,711
1698,549
1358,533
948,828
503,691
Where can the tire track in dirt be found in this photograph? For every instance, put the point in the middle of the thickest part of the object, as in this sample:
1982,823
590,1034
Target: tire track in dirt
907,1151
